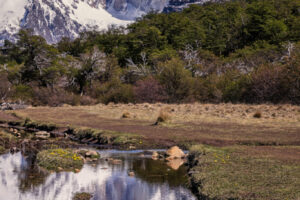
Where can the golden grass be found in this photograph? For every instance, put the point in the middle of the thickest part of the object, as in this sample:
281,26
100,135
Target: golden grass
164,116
126,115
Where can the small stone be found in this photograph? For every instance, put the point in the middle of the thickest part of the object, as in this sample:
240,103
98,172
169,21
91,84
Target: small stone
155,155
42,135
131,173
91,154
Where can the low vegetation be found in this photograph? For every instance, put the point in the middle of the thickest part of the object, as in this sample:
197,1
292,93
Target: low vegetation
163,117
2,149
60,159
241,172
6,140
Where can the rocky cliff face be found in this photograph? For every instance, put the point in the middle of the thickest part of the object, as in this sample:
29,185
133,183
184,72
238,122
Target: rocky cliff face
54,19
178,5
131,9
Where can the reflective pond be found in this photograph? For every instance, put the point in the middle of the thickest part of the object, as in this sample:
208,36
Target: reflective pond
153,179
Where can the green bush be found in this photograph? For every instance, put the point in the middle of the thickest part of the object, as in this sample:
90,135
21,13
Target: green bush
176,80
115,92
23,92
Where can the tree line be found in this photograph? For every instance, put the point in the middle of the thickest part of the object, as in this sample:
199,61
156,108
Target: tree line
244,51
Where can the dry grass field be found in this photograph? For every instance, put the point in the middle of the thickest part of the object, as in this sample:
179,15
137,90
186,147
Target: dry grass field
218,125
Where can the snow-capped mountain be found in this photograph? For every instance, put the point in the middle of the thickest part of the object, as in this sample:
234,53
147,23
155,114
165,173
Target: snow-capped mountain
54,19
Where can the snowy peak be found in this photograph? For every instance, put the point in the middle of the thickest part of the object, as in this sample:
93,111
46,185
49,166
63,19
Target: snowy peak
55,19
11,14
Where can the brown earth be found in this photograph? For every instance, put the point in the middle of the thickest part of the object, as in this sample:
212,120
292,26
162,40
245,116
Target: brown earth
5,117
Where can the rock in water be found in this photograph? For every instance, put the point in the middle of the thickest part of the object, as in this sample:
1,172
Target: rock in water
155,155
174,153
91,154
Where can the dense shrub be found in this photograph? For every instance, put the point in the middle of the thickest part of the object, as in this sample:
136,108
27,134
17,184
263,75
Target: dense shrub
231,51
176,80
149,90
115,92
266,84
22,92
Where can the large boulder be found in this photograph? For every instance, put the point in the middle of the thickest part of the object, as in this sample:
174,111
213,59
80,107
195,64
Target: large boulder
174,153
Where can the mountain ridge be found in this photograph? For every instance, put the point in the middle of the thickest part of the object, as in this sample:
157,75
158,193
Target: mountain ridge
55,19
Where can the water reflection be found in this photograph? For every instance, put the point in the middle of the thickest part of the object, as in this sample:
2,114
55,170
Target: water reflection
154,180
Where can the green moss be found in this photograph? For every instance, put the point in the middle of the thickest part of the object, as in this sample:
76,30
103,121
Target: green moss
41,126
108,137
2,150
82,196
54,159
233,173
6,139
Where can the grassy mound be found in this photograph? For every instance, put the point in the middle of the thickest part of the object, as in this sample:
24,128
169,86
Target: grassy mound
2,150
60,159
241,172
6,141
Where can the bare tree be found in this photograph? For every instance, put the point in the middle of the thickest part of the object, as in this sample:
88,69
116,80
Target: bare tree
91,65
290,48
141,69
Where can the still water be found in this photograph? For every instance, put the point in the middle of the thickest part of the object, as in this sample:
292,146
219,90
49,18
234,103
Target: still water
154,180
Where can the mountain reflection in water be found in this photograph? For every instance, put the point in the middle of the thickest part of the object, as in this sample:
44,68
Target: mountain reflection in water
154,180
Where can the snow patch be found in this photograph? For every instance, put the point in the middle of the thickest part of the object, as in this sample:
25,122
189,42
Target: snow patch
11,13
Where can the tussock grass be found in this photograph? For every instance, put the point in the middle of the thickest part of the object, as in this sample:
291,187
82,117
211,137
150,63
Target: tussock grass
257,115
126,115
163,117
